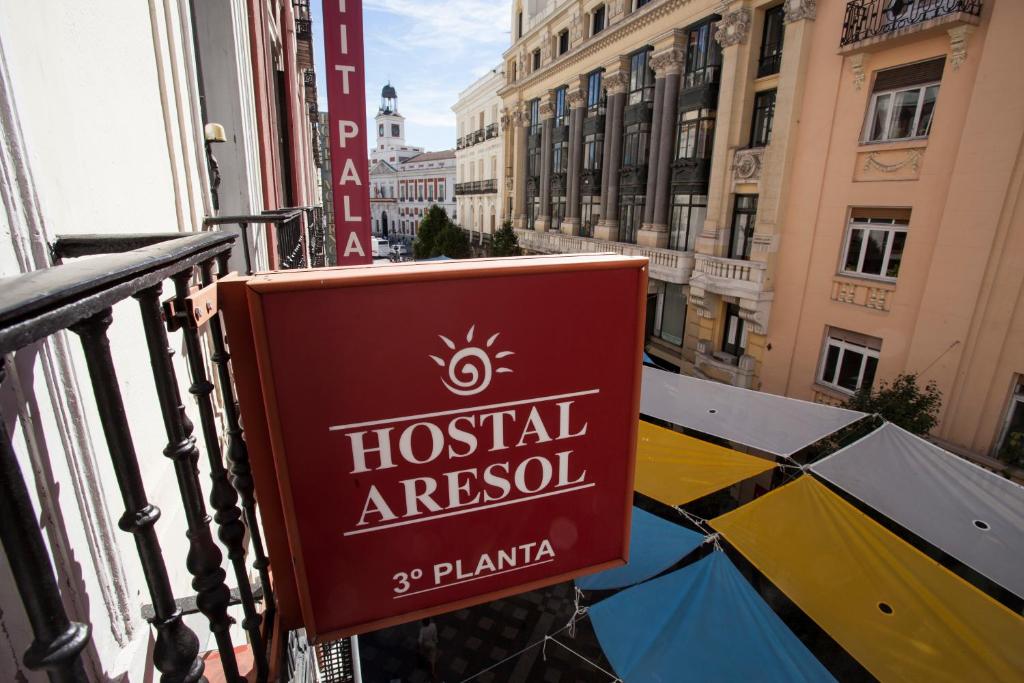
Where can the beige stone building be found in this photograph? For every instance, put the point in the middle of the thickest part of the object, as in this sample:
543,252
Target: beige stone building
827,192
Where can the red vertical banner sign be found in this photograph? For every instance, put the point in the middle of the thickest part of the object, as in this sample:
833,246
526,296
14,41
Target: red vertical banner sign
346,111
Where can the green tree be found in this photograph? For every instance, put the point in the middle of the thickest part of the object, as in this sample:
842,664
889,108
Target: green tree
430,229
505,242
901,402
453,242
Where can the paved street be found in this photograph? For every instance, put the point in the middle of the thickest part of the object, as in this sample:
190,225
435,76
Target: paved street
471,640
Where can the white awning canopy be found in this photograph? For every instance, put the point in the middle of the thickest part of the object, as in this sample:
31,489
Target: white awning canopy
773,424
972,514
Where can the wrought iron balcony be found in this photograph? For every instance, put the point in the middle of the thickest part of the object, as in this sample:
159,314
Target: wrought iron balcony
81,295
491,131
299,235
867,19
304,29
476,187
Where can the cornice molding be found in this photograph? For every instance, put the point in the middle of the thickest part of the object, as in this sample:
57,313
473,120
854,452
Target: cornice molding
649,14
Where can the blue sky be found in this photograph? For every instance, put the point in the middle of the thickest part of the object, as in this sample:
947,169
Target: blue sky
430,50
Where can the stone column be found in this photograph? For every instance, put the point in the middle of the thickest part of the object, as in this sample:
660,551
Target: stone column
669,65
547,118
653,150
521,126
576,99
608,227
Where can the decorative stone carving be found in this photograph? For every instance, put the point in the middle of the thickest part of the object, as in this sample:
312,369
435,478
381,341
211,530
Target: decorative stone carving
734,28
800,9
575,98
668,62
911,160
615,8
505,120
547,109
616,82
857,67
746,164
958,45
576,27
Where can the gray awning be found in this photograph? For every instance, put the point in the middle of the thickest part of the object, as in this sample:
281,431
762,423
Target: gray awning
769,423
972,514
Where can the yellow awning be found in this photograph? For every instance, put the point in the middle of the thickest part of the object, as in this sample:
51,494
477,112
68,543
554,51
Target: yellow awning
896,611
675,469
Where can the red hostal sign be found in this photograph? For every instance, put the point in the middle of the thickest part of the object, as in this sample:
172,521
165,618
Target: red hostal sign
445,434
346,114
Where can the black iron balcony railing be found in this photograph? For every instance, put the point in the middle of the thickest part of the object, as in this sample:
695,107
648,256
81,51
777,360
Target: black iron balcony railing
477,136
476,187
870,18
300,235
304,29
770,60
79,297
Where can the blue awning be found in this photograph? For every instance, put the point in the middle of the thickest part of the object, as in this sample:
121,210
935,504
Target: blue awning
649,361
703,622
654,546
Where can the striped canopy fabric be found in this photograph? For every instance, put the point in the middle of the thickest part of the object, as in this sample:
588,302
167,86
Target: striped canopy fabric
676,469
896,611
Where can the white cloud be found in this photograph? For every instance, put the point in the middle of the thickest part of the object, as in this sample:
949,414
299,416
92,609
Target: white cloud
449,25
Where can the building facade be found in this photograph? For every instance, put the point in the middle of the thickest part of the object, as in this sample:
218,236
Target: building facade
479,156
789,169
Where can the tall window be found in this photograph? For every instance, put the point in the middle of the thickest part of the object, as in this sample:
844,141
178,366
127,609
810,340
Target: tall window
764,116
874,244
560,157
563,42
849,360
771,42
671,313
533,162
1011,439
595,100
536,59
641,3
519,24
903,102
593,148
395,130
641,77
532,211
534,116
631,214
734,334
695,134
703,56
590,213
744,216
634,144
561,107
597,22
688,214
557,212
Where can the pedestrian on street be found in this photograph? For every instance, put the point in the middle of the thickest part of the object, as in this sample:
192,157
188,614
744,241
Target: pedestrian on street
428,645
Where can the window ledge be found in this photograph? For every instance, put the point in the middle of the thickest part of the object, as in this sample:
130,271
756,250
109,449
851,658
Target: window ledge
887,284
833,392
894,145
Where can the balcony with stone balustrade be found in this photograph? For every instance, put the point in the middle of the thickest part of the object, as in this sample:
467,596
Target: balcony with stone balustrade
667,265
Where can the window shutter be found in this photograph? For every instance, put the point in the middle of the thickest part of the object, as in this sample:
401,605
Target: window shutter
911,74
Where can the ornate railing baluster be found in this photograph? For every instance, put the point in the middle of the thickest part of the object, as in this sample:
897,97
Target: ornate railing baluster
238,453
176,652
204,557
58,640
223,496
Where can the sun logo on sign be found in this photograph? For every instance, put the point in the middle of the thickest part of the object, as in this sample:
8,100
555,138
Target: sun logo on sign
469,369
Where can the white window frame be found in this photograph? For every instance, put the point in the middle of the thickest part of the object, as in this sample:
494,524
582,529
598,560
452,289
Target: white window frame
868,119
890,225
844,346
